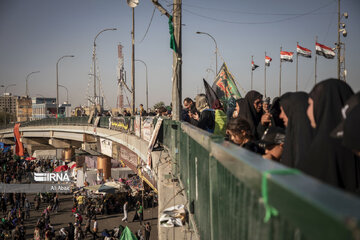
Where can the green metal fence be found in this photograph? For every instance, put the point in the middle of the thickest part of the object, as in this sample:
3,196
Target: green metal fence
223,188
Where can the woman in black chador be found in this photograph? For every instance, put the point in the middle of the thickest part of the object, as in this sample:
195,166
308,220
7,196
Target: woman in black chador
298,130
328,160
251,110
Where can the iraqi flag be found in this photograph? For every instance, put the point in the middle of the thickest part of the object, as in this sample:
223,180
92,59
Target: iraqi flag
324,51
253,66
303,51
286,56
267,61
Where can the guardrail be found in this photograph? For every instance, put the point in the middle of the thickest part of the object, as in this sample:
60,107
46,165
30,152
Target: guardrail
223,185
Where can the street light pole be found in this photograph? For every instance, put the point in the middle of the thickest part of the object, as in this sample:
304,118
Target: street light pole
27,79
67,93
57,82
133,61
11,85
147,87
94,60
216,49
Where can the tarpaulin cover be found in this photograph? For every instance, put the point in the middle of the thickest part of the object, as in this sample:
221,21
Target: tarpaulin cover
127,235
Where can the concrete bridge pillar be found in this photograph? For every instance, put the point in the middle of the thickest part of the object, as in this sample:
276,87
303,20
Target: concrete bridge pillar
69,154
104,166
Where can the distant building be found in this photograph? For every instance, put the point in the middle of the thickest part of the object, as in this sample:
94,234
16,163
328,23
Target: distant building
23,109
8,105
46,108
65,109
43,108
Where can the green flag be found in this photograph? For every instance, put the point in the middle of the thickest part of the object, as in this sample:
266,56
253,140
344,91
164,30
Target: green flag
172,37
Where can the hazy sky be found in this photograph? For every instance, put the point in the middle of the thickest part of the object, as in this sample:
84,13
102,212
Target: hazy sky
34,34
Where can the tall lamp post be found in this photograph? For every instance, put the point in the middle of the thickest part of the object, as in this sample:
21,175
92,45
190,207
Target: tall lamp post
94,60
57,82
67,93
133,4
27,79
147,86
216,49
11,85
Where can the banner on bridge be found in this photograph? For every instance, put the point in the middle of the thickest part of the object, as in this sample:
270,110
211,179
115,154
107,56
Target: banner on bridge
119,124
106,147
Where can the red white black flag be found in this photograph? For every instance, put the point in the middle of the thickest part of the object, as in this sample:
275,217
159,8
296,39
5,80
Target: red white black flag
267,61
286,56
303,51
324,51
253,66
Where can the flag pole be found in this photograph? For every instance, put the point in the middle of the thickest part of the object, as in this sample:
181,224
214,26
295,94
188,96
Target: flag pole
252,59
280,74
265,76
297,60
316,39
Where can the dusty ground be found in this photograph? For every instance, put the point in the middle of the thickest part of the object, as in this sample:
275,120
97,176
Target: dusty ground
64,216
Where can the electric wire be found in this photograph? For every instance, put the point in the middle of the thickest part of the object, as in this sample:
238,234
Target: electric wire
257,23
246,12
152,16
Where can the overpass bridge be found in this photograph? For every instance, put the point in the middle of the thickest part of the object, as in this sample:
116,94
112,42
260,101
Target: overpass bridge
229,192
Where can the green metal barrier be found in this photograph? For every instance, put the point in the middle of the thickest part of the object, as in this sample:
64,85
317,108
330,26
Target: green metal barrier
223,187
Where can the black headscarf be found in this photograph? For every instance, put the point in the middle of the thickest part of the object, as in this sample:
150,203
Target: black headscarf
328,160
275,112
248,111
298,131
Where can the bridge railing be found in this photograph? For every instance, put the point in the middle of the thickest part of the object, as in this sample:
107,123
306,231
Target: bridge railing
223,185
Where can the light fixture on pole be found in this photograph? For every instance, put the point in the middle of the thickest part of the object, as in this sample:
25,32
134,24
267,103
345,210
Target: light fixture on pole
133,4
27,79
57,82
67,93
10,85
94,60
147,86
216,49
341,72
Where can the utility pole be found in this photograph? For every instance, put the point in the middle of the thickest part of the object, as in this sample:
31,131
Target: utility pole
133,62
252,60
341,71
297,63
280,75
316,39
265,75
177,56
177,62
338,43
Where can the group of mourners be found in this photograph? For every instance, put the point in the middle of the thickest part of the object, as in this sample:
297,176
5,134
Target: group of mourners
317,132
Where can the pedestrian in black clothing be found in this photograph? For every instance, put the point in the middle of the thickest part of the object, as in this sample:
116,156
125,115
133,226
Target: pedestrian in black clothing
147,231
328,160
299,133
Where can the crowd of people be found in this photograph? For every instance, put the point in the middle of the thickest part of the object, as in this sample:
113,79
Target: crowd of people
314,132
20,209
